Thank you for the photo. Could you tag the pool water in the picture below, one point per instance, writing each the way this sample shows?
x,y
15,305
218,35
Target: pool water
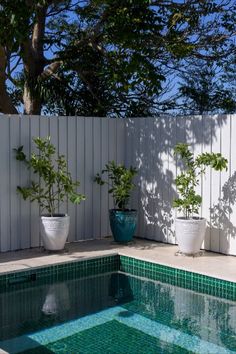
x,y
113,313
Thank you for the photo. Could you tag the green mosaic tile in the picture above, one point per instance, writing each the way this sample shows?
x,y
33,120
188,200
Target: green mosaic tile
x,y
111,337
65,271
84,268
178,277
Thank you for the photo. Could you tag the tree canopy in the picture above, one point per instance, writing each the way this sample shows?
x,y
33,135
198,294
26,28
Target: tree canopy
x,y
108,58
205,89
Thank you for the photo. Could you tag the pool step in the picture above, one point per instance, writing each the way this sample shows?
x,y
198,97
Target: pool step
x,y
152,328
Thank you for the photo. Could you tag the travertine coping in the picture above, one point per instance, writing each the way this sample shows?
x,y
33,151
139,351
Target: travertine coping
x,y
211,264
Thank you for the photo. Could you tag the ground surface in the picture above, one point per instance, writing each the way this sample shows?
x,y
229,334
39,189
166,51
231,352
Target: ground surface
x,y
213,264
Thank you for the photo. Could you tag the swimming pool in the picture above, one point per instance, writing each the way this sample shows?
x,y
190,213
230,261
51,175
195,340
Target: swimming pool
x,y
109,305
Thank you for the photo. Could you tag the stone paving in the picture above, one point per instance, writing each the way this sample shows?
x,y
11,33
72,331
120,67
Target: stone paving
x,y
209,263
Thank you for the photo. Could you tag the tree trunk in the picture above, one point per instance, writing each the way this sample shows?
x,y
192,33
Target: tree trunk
x,y
34,63
32,101
6,105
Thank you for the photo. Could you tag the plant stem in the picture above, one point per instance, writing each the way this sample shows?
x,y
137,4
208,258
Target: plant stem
x,y
50,201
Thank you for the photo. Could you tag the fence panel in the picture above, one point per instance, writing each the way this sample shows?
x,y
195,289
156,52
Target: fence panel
x,y
147,143
85,144
158,168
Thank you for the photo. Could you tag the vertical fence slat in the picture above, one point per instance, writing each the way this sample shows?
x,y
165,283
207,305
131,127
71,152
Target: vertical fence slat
x,y
120,141
231,189
14,180
53,132
215,186
221,210
172,129
62,150
71,138
158,177
129,135
181,137
164,159
34,224
111,150
80,164
150,178
112,156
168,206
138,164
24,181
43,132
141,165
4,185
133,204
89,178
206,180
130,158
196,136
105,230
96,187
196,128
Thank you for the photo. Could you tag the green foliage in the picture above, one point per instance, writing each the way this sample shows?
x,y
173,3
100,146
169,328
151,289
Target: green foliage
x,y
14,22
120,182
118,58
187,180
54,183
205,89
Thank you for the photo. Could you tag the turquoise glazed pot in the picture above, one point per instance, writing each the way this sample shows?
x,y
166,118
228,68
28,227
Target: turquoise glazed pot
x,y
123,224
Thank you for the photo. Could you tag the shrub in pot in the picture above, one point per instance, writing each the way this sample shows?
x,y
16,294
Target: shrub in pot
x,y
190,228
123,221
53,187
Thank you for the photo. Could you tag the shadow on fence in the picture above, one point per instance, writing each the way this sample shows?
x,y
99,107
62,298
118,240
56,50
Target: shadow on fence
x,y
222,212
150,144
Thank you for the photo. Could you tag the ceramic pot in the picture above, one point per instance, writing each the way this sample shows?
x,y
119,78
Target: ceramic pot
x,y
190,234
54,231
123,224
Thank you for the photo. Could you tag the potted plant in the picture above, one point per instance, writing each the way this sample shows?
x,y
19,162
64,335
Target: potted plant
x,y
123,221
190,229
54,185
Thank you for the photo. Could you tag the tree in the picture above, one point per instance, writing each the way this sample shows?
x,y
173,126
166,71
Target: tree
x,y
204,90
104,57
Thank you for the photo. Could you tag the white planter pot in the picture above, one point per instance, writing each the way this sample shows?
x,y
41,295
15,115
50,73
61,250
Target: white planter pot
x,y
54,231
190,234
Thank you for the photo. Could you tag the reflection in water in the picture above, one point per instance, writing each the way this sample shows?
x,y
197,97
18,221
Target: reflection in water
x,y
25,308
224,315
57,298
119,288
210,318
31,307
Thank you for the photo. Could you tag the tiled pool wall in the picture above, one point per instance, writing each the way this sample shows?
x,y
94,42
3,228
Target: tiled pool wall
x,y
179,277
31,306
63,271
84,268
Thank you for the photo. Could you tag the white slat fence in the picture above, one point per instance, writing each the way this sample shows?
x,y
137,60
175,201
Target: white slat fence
x,y
89,143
